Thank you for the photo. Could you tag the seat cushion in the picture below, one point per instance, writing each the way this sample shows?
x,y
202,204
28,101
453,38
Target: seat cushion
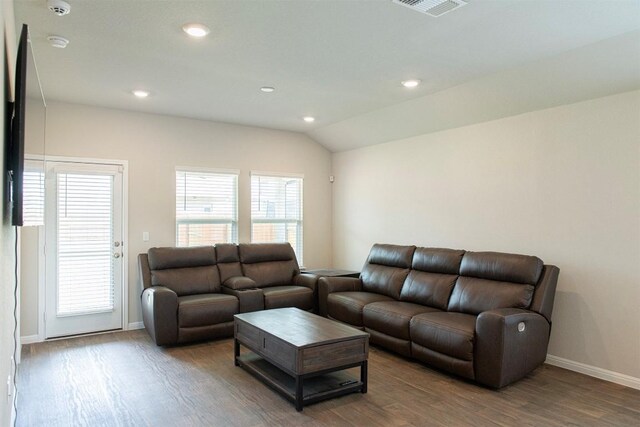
x,y
206,309
392,317
288,296
347,306
445,332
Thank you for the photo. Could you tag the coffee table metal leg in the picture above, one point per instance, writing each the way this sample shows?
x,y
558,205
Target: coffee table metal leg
x,y
236,351
299,396
363,376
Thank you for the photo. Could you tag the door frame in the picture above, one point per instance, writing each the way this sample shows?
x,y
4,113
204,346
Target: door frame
x,y
124,164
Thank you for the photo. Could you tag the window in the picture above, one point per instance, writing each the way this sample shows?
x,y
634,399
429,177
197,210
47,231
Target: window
x,y
33,192
276,210
206,207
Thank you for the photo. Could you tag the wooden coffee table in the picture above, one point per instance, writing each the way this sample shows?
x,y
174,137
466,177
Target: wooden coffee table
x,y
300,354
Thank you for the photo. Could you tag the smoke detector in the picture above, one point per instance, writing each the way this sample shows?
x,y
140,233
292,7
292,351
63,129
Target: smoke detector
x,y
57,41
59,7
435,8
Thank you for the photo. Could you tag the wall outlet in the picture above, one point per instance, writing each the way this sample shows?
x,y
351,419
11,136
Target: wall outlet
x,y
145,236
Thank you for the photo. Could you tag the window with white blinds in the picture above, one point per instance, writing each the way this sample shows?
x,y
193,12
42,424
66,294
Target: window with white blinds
x,y
206,207
276,210
33,193
84,240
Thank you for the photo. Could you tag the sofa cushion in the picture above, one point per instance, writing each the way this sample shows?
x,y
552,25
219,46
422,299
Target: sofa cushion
x,y
188,281
347,306
473,296
447,333
288,296
437,260
431,289
268,264
392,317
206,309
502,267
228,261
165,258
386,268
391,255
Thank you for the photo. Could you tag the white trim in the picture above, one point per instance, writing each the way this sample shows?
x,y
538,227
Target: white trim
x,y
30,339
42,271
209,170
126,243
594,371
135,325
124,167
278,174
93,160
14,405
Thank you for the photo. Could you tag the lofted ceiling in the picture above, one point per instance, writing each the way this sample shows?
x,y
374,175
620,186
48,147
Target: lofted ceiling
x,y
340,61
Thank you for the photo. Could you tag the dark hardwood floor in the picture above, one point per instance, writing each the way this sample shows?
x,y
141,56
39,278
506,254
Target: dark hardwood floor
x,y
124,379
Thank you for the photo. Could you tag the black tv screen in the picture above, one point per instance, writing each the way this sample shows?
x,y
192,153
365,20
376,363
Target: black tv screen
x,y
16,144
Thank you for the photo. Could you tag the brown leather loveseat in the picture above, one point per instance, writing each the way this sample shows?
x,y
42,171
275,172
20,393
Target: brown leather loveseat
x,y
192,293
485,316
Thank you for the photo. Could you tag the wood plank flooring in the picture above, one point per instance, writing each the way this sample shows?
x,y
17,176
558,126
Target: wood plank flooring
x,y
123,379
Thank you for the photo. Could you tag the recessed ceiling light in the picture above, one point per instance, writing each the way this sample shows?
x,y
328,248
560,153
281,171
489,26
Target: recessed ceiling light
x,y
411,83
309,119
195,30
267,89
140,93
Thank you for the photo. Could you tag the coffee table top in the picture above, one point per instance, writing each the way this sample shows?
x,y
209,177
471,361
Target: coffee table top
x,y
300,328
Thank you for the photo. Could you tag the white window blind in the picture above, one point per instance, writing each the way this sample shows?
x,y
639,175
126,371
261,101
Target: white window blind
x,y
276,210
85,239
33,193
206,208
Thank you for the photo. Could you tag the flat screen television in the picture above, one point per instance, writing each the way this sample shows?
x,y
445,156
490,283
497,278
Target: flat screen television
x,y
16,142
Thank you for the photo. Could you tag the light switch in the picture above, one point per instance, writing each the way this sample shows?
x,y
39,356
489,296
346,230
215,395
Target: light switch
x,y
145,236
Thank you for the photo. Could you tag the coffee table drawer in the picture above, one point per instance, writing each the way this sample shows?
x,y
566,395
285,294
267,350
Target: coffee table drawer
x,y
326,356
249,335
280,352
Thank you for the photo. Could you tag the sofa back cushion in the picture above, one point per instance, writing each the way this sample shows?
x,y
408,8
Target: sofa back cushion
x,y
386,269
434,272
490,280
269,264
228,260
186,271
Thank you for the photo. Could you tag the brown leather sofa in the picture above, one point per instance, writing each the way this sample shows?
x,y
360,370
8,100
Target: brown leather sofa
x,y
485,316
191,294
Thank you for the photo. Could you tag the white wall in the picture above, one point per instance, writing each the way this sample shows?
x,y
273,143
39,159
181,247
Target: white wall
x,y
562,184
7,233
154,145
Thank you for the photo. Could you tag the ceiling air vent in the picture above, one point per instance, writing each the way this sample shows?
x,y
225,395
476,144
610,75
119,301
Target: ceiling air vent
x,y
435,8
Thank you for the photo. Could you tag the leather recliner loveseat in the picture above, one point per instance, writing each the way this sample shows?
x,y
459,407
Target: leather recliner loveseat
x,y
485,316
191,294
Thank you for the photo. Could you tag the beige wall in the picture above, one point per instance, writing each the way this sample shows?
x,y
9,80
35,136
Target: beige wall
x,y
562,184
154,145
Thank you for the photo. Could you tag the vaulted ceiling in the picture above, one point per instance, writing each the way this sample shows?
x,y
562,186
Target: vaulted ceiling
x,y
340,61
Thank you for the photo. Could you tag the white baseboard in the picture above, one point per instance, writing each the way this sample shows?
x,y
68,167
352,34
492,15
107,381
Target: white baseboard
x,y
593,371
29,339
135,325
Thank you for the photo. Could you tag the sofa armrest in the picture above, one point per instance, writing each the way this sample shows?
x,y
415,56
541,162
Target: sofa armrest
x,y
160,314
239,283
327,285
249,299
510,343
307,280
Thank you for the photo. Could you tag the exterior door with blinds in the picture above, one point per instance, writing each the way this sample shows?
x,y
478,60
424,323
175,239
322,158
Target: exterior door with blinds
x,y
84,248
